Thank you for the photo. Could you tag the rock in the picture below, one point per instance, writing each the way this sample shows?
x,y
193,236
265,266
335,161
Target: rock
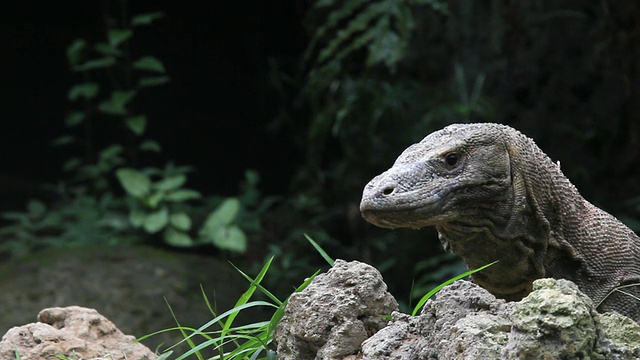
x,y
74,332
464,321
333,316
555,320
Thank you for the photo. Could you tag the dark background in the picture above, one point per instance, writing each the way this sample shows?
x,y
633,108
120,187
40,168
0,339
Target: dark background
x,y
214,113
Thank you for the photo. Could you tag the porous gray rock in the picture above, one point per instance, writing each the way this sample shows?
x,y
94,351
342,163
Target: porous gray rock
x,y
555,319
464,321
74,332
333,316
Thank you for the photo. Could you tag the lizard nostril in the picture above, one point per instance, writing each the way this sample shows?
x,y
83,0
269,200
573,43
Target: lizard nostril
x,y
388,190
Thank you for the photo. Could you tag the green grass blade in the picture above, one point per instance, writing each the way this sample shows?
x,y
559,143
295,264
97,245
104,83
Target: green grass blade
x,y
323,253
437,288
259,287
247,294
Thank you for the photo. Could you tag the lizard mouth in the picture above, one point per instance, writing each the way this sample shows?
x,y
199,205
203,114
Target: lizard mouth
x,y
407,214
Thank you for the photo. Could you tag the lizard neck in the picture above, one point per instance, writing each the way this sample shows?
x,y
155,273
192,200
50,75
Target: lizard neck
x,y
516,229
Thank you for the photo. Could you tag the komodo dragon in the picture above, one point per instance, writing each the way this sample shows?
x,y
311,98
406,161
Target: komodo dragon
x,y
492,194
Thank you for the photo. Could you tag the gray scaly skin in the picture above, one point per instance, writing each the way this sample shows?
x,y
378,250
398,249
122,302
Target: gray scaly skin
x,y
492,194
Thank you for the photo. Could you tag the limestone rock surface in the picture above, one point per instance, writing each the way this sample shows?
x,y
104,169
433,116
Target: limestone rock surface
x,y
74,332
334,318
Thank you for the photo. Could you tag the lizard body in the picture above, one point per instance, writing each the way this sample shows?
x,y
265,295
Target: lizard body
x,y
492,194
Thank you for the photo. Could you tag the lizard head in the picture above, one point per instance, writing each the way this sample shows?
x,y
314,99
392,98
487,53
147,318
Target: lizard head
x,y
460,171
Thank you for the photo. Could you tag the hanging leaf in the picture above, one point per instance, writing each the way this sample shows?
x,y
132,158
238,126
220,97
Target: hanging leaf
x,y
155,199
146,19
112,151
182,195
134,182
86,90
171,183
153,81
74,51
74,118
116,105
72,164
177,238
106,49
180,221
136,124
150,145
230,238
223,215
149,63
118,36
156,221
96,64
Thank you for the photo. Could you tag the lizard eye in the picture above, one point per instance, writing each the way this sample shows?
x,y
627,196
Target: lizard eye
x,y
452,160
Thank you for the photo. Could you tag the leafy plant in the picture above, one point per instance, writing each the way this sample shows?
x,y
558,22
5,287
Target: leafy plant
x,y
111,81
155,203
90,208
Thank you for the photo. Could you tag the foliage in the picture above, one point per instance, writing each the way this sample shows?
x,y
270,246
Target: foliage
x,y
358,83
111,81
107,132
246,341
78,220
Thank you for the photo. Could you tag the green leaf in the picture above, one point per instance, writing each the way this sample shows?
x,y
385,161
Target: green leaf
x,y
86,90
153,81
106,49
146,19
171,183
150,145
156,221
63,140
136,218
182,195
177,238
116,105
134,182
155,199
74,51
96,64
149,63
118,36
224,215
136,124
74,118
230,238
110,152
180,221
71,164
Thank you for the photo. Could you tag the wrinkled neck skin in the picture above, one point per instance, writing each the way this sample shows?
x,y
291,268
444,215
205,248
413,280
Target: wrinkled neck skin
x,y
513,229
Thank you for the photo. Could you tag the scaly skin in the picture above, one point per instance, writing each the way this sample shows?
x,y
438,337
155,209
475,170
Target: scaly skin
x,y
492,194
